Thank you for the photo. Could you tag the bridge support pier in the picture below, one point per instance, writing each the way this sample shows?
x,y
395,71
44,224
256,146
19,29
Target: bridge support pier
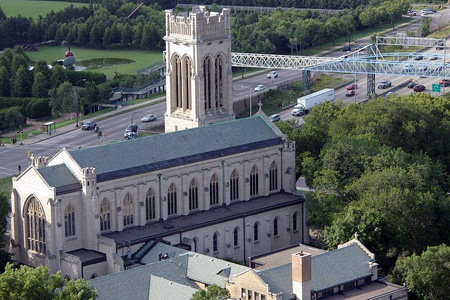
x,y
370,85
306,80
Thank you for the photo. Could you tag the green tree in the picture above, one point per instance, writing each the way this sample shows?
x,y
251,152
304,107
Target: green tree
x,y
213,292
4,82
62,99
91,95
42,67
40,85
426,275
348,26
38,284
5,209
58,76
126,35
21,85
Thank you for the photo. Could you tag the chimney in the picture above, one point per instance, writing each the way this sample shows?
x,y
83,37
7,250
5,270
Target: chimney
x,y
301,275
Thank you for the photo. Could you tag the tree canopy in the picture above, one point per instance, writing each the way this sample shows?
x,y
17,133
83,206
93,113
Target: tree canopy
x,y
212,292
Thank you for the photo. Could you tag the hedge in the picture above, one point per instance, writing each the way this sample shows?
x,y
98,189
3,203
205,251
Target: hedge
x,y
28,107
73,76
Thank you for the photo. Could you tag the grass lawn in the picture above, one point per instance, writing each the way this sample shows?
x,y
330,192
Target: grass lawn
x,y
33,9
140,59
6,185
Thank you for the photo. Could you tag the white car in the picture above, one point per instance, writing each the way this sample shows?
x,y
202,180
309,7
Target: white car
x,y
149,118
272,74
297,112
260,88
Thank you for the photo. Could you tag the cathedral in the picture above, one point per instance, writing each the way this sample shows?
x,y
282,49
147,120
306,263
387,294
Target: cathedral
x,y
210,184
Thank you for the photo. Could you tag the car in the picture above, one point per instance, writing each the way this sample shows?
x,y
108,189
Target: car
x,y
297,112
434,57
445,82
425,15
388,94
88,125
411,84
428,11
384,84
408,68
350,93
130,128
274,118
351,87
272,74
419,88
131,135
440,46
411,14
148,118
347,48
260,88
418,57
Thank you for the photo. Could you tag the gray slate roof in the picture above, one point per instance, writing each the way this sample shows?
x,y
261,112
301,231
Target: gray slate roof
x,y
327,270
60,177
167,279
162,151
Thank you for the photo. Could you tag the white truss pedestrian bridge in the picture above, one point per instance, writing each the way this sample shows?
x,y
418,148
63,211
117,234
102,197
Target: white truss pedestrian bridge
x,y
367,60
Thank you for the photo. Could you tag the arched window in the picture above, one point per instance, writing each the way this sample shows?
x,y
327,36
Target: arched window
x,y
236,237
69,221
172,200
187,65
127,210
219,84
150,205
234,186
275,227
177,84
215,242
193,195
214,190
35,226
273,177
254,181
295,222
208,82
256,232
105,215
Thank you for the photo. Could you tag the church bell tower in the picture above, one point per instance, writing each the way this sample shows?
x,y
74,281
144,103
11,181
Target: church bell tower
x,y
198,63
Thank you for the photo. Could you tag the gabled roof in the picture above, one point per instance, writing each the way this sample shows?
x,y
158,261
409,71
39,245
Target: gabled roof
x,y
177,148
327,270
61,178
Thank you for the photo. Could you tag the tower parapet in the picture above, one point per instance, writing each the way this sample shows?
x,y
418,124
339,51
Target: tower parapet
x,y
199,25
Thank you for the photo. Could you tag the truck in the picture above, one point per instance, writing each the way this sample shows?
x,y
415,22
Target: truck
x,y
305,103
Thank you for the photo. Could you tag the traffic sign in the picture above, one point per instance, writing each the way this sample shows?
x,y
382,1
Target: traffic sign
x,y
436,88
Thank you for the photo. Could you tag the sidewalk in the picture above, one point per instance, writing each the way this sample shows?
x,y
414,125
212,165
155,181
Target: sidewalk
x,y
71,127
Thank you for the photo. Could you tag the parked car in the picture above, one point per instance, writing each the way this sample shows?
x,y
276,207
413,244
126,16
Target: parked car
x,y
347,48
434,57
440,46
445,82
88,125
388,94
384,84
351,87
350,93
418,57
259,88
274,118
425,15
419,88
131,135
272,74
411,84
148,118
130,128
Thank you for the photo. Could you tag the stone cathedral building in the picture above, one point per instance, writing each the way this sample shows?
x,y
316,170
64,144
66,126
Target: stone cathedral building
x,y
224,190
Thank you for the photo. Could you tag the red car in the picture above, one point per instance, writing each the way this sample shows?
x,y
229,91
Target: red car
x,y
445,82
419,88
352,87
350,93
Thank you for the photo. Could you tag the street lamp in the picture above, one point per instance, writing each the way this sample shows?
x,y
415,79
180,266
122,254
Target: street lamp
x,y
132,115
77,98
250,89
